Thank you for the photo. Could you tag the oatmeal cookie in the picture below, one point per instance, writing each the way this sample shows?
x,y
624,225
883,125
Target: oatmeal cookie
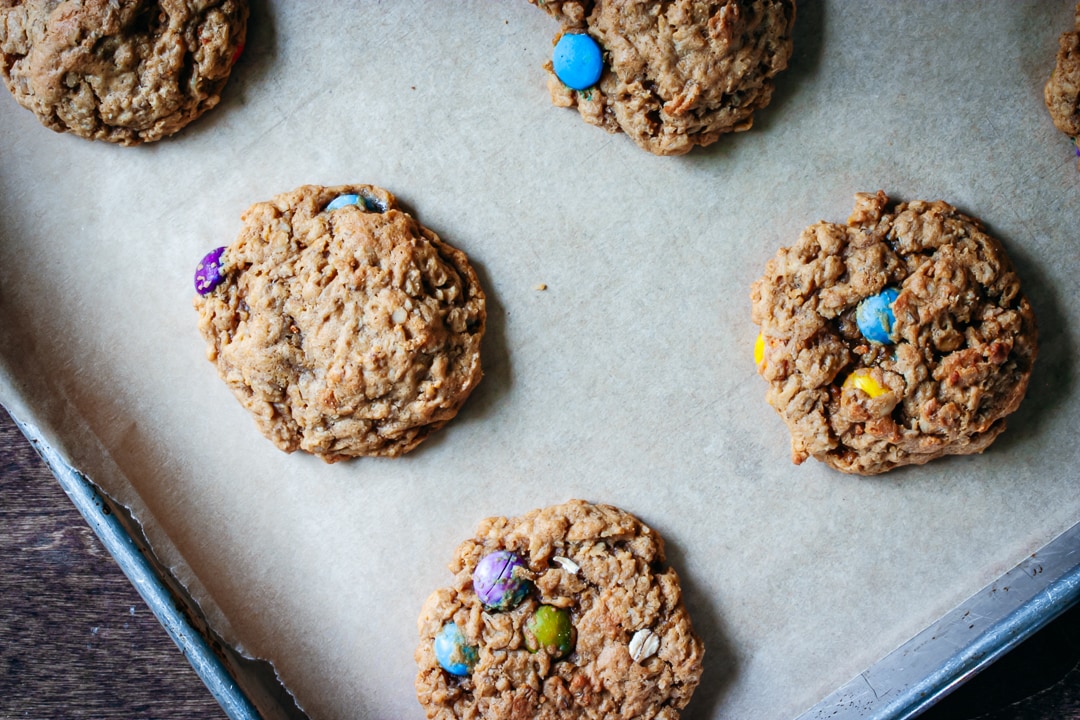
x,y
565,612
677,74
895,339
345,326
127,71
1062,92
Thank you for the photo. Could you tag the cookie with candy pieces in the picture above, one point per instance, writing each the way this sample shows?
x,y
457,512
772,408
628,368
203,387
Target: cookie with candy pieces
x,y
341,323
672,76
894,339
565,612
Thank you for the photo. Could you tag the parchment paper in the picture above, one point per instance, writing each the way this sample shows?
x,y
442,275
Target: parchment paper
x,y
629,380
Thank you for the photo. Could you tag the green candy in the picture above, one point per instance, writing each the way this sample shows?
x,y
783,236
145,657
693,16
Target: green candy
x,y
550,628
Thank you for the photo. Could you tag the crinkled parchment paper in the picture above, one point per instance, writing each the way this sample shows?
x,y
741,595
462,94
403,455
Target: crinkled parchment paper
x,y
629,380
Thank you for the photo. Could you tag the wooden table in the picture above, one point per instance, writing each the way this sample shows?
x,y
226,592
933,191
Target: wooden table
x,y
76,640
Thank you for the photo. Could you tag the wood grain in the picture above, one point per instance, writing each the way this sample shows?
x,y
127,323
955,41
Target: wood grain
x,y
76,640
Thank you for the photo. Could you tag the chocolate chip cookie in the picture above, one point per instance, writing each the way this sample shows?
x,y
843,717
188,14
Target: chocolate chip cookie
x,y
127,71
346,327
1062,91
895,339
565,612
676,74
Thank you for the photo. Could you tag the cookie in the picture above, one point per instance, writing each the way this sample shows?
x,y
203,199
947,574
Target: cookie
x,y
895,339
127,72
1062,91
676,75
346,327
565,612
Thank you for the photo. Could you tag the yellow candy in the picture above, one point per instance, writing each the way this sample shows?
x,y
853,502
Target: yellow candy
x,y
862,380
759,349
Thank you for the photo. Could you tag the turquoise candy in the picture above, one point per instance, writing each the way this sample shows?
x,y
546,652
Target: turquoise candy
x,y
577,61
454,654
875,318
361,201
343,201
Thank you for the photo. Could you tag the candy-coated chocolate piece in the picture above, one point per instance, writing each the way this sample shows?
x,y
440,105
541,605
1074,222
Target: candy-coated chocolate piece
x,y
343,201
759,349
495,582
875,316
361,201
372,204
550,628
863,380
577,61
453,652
208,274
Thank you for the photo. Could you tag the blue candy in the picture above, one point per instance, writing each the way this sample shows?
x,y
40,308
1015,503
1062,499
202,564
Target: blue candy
x,y
342,201
455,655
577,61
875,316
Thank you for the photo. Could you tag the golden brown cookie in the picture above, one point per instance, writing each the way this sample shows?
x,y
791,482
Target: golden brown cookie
x,y
676,74
565,612
345,326
895,339
1062,91
125,71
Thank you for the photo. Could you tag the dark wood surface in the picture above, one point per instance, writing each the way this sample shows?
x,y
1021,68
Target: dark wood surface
x,y
76,640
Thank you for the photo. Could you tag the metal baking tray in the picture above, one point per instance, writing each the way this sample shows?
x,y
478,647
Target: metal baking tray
x,y
628,380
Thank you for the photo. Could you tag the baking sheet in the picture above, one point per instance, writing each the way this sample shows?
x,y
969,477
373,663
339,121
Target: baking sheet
x,y
628,381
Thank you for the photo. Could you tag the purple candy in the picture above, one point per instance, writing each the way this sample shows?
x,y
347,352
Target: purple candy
x,y
208,275
495,583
